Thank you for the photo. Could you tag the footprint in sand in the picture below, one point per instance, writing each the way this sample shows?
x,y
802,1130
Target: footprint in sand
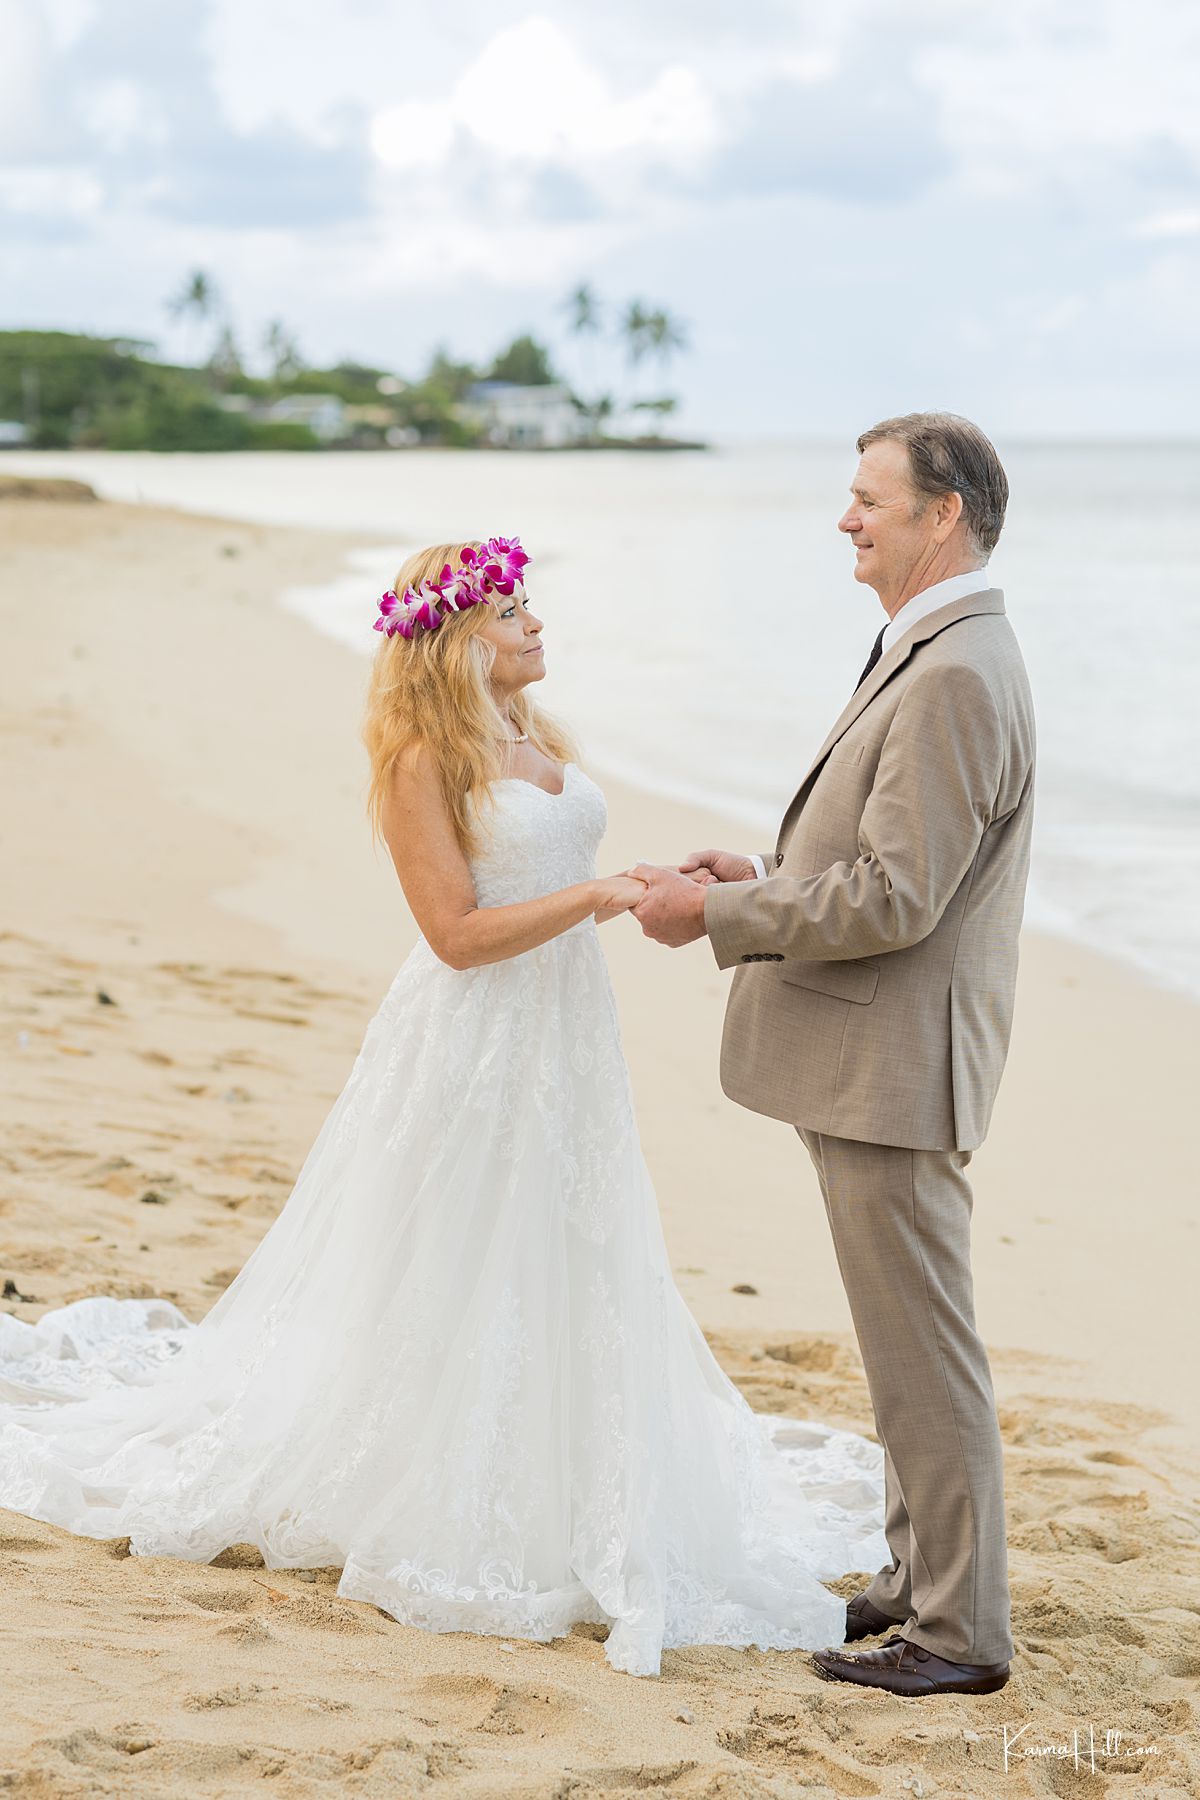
x,y
1075,1536
222,1597
1038,1615
210,1767
819,1355
477,1703
247,1631
784,1741
641,1777
15,1543
220,1697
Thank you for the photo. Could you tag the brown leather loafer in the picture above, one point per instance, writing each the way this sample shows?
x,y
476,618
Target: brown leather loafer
x,y
904,1668
865,1620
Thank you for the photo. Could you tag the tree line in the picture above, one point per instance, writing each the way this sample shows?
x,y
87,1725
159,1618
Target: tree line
x,y
71,389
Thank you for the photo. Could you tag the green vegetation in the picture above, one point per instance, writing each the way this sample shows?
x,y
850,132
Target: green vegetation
x,y
526,362
70,390
93,392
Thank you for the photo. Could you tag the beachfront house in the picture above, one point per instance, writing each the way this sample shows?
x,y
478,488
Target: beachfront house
x,y
324,414
513,417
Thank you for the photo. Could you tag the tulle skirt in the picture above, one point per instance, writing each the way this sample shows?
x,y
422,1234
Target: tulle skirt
x,y
457,1366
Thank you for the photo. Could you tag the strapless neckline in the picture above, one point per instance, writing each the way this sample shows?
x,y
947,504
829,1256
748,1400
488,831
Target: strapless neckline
x,y
521,781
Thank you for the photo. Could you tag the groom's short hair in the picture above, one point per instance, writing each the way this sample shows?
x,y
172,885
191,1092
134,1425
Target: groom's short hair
x,y
949,455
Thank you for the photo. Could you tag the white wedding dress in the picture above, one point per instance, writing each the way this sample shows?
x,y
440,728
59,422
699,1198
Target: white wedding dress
x,y
457,1365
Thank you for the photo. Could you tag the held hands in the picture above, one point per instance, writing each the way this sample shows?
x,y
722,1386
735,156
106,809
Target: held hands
x,y
668,903
617,894
672,909
717,865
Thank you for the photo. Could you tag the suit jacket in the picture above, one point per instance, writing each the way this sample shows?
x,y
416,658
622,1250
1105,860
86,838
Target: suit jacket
x,y
875,965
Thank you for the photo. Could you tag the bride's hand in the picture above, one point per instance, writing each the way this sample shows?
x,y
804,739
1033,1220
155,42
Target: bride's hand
x,y
617,894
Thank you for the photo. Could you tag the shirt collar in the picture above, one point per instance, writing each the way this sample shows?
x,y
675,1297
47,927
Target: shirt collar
x,y
955,587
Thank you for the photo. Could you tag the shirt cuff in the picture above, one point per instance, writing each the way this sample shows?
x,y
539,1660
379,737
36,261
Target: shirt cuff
x,y
760,868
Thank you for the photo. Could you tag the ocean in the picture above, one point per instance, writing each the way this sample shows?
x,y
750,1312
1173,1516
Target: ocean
x,y
703,628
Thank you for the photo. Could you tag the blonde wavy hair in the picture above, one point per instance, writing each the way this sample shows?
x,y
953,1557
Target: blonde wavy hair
x,y
434,690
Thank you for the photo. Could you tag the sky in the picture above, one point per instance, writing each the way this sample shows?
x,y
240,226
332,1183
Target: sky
x,y
853,208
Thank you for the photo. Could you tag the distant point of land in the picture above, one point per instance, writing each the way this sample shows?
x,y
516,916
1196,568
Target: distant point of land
x,y
45,487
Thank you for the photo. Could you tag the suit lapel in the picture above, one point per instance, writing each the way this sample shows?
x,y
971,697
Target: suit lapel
x,y
988,600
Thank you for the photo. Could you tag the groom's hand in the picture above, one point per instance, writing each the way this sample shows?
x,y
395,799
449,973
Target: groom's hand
x,y
672,909
721,865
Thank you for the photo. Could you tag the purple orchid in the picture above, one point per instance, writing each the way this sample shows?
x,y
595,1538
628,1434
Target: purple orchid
x,y
506,560
495,567
389,605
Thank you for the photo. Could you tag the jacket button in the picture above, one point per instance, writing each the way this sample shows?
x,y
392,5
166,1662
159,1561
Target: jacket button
x,y
778,858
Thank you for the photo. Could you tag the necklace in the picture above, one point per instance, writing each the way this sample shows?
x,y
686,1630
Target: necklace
x,y
523,738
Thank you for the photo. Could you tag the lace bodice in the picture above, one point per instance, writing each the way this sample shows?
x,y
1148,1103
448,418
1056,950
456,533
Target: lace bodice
x,y
536,842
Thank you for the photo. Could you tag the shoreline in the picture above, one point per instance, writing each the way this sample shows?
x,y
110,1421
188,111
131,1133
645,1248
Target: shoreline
x,y
324,607
184,804
321,605
1115,850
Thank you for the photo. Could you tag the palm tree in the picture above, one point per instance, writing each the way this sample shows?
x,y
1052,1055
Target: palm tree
x,y
664,335
225,362
584,309
197,298
583,321
635,329
283,351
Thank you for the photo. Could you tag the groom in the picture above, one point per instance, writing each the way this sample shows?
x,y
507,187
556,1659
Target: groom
x,y
875,959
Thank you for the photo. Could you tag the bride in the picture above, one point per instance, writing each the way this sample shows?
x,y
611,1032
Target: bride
x,y
457,1366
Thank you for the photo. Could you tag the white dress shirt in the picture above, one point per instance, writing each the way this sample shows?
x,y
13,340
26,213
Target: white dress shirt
x,y
955,587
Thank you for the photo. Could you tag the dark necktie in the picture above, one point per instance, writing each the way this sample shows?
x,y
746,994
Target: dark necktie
x,y
876,653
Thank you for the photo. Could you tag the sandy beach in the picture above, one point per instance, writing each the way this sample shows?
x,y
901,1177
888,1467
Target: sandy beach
x,y
195,932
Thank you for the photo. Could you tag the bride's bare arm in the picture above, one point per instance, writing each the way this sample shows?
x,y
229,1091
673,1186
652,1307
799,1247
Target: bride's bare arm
x,y
437,884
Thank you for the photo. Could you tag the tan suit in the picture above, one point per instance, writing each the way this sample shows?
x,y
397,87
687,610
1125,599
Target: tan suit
x,y
871,1007
894,897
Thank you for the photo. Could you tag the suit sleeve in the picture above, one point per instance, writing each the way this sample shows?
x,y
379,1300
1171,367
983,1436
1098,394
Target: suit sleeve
x,y
934,795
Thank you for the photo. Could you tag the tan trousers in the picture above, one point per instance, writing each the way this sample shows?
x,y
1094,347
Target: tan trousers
x,y
901,1224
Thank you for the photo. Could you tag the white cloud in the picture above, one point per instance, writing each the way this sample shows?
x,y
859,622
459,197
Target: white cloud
x,y
68,19
54,189
1182,224
531,95
416,134
808,65
1058,92
124,114
24,64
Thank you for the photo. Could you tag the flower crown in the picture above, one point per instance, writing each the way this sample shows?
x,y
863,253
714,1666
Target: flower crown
x,y
494,568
